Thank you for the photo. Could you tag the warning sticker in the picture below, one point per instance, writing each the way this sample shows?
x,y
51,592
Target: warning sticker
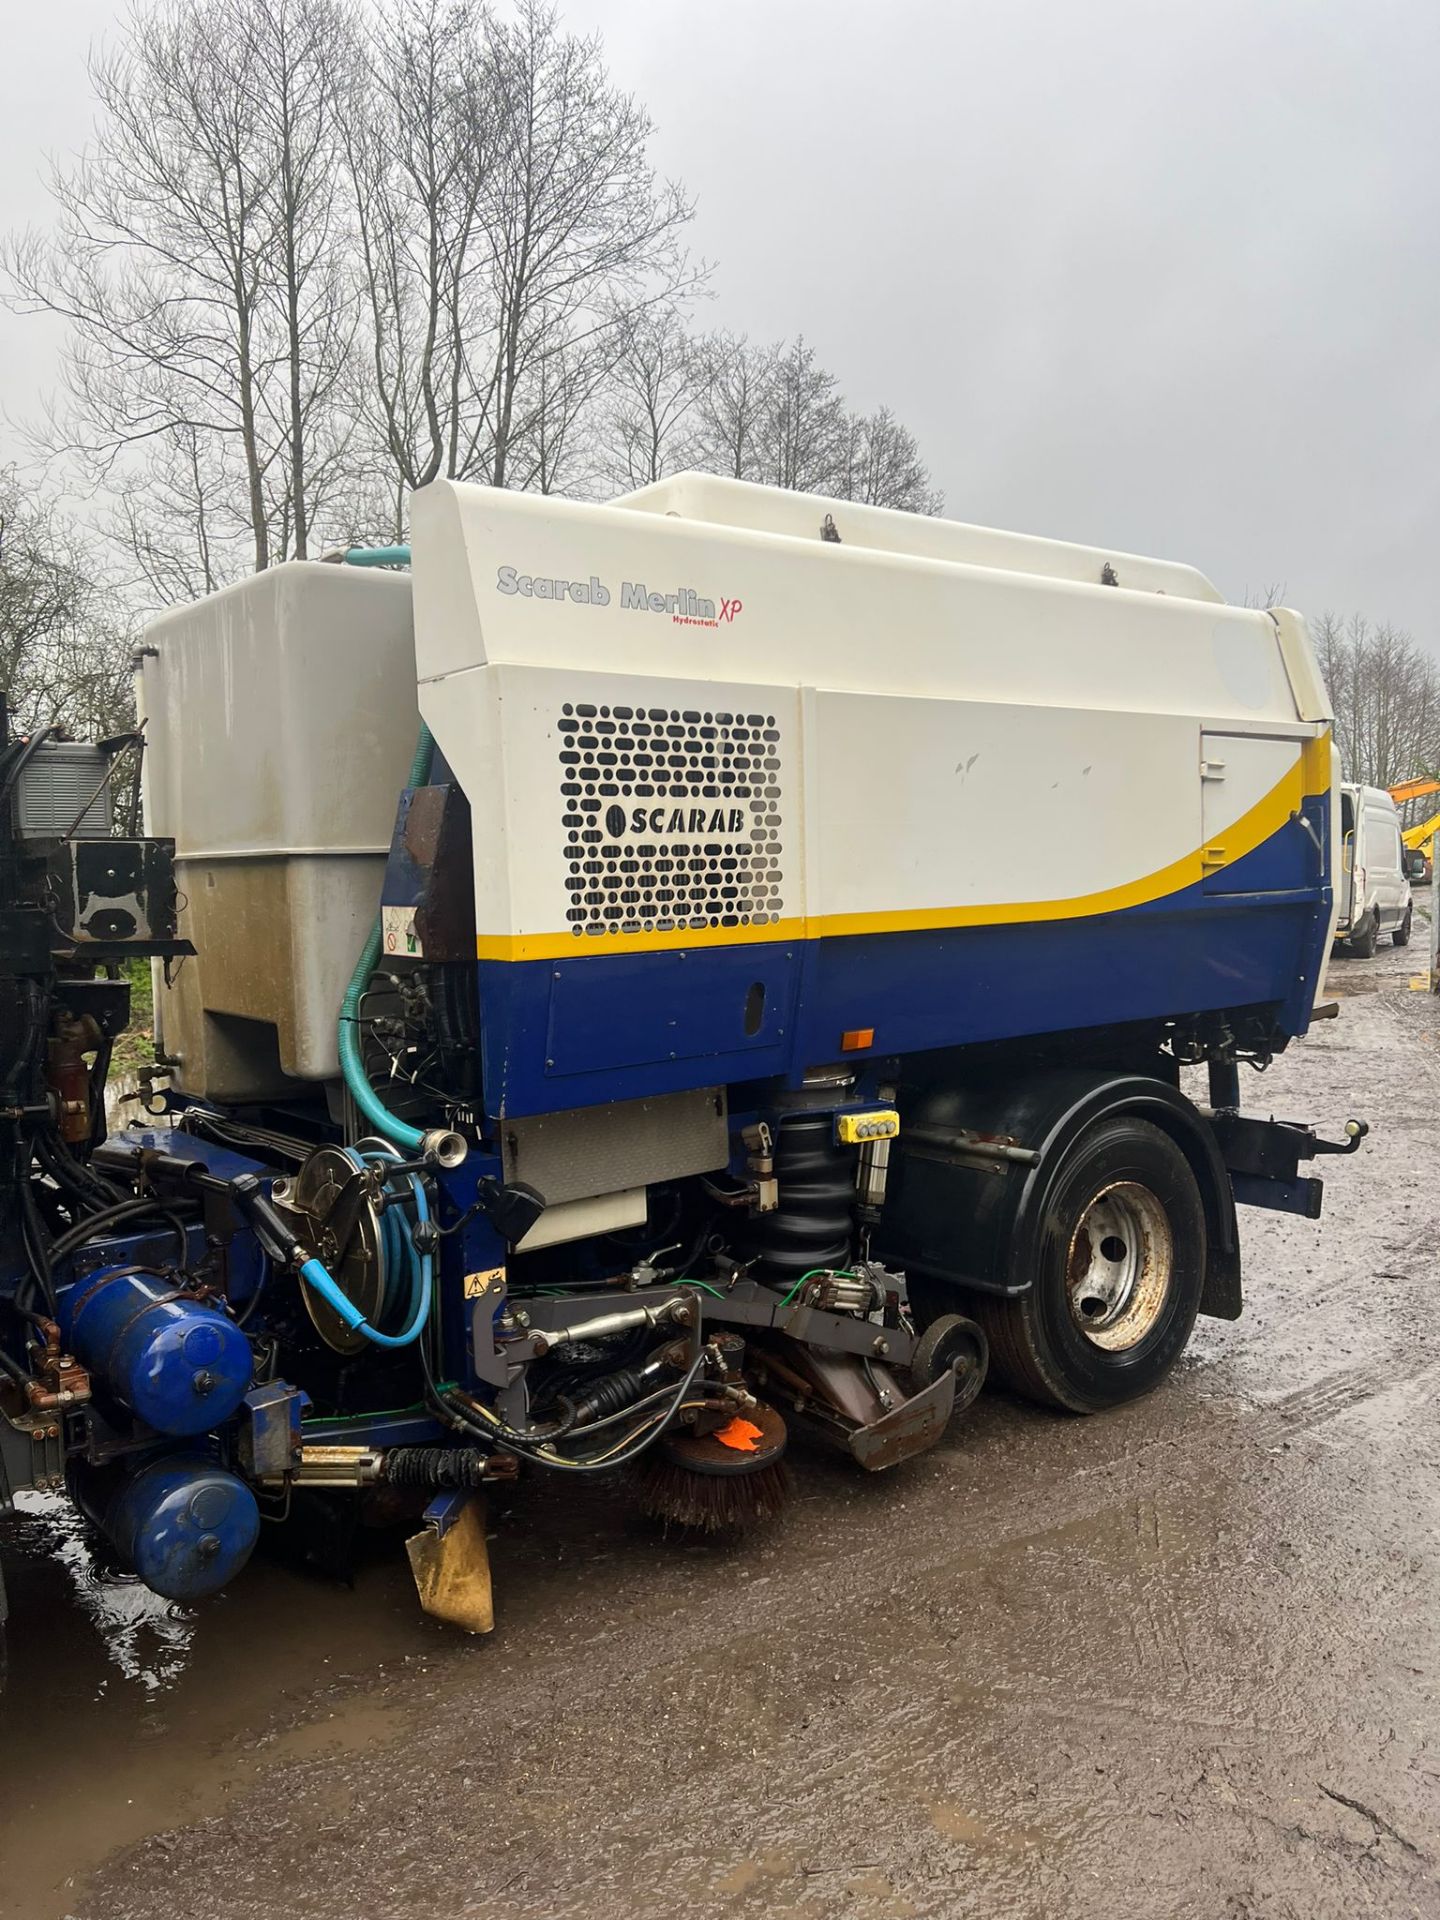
x,y
397,931
477,1284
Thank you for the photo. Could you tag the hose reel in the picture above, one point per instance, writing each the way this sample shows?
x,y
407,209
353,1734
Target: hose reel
x,y
335,1208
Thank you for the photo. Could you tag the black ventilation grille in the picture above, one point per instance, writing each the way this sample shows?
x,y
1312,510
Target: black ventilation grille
x,y
672,819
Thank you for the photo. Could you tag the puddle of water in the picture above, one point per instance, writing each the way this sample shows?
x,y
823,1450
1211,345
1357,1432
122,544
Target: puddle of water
x,y
746,1875
960,1823
150,1714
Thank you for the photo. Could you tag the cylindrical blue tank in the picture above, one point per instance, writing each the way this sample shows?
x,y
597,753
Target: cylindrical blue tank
x,y
182,1522
177,1364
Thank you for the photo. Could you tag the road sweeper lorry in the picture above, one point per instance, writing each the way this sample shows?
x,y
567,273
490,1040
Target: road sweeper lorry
x,y
609,1015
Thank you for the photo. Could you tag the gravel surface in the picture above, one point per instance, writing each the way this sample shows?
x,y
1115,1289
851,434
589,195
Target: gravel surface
x,y
1179,1660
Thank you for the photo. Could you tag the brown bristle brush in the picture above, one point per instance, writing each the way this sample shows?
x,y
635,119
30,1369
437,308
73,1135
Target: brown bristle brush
x,y
719,1482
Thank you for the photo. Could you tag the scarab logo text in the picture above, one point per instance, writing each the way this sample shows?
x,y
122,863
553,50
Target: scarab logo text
x,y
666,820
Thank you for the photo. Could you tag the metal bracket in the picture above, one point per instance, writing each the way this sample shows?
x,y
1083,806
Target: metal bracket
x,y
912,1427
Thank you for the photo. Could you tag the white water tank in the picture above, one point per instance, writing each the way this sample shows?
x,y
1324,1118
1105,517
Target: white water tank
x,y
281,728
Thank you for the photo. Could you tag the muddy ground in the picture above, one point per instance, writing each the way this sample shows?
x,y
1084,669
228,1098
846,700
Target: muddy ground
x,y
1180,1660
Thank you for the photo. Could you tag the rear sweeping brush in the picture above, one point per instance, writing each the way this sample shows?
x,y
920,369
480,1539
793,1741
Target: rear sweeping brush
x,y
718,1482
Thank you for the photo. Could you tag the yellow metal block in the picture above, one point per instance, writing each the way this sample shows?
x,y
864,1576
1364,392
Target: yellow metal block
x,y
854,1129
452,1571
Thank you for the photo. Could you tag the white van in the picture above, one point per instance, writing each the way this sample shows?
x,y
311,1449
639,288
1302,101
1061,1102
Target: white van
x,y
1374,886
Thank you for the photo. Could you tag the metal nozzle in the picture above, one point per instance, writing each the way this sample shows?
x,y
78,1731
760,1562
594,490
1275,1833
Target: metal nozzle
x,y
445,1148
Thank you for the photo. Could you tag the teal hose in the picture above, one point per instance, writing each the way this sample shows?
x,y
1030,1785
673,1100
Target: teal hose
x,y
378,557
352,1064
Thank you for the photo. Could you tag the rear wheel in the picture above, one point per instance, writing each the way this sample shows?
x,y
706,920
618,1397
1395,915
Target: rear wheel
x,y
1401,935
1362,942
1118,1277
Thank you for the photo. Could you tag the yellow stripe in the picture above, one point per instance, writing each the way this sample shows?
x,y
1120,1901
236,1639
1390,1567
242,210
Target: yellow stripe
x,y
1307,779
562,946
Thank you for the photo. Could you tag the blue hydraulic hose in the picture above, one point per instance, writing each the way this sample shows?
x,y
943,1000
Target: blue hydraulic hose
x,y
315,1275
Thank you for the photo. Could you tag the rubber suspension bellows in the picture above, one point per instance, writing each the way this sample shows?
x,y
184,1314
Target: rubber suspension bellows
x,y
813,1224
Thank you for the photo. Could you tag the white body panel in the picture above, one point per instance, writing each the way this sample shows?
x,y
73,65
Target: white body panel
x,y
939,717
710,498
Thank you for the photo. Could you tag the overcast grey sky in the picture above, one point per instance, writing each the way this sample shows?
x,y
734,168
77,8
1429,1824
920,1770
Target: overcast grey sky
x,y
1159,276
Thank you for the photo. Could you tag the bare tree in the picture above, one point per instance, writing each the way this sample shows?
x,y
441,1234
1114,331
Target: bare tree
x,y
655,392
882,466
512,235
1385,692
585,238
420,144
735,380
557,448
775,415
194,261
295,46
320,255
64,656
802,431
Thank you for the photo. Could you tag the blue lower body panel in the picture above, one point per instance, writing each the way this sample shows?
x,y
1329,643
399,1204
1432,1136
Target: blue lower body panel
x,y
574,1033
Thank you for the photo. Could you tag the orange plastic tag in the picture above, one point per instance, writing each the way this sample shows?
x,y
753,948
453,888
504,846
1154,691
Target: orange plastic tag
x,y
740,1434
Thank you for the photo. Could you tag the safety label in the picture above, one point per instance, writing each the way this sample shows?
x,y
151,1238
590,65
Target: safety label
x,y
398,932
477,1285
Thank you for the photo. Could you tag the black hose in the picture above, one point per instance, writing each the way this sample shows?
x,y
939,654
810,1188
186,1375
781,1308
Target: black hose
x,y
37,1242
72,1176
93,1224
243,1317
22,760
15,1371
99,1075
444,1468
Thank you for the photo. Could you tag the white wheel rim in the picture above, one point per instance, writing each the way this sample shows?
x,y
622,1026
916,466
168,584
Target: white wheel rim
x,y
1119,1266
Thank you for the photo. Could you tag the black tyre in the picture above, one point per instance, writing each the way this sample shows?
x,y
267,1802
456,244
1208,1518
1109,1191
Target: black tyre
x,y
1118,1276
1401,935
952,1344
1362,944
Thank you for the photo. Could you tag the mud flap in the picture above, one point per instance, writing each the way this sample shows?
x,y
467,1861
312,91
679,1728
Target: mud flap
x,y
912,1427
451,1564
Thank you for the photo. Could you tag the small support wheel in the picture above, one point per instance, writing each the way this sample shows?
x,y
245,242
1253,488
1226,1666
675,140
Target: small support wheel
x,y
952,1344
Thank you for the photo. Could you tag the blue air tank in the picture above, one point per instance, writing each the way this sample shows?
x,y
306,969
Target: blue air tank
x,y
184,1523
177,1364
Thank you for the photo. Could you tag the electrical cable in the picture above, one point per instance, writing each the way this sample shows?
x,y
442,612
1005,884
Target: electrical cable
x,y
817,1273
628,1449
234,1133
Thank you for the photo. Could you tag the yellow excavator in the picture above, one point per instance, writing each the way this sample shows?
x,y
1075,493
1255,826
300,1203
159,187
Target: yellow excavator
x,y
1419,838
